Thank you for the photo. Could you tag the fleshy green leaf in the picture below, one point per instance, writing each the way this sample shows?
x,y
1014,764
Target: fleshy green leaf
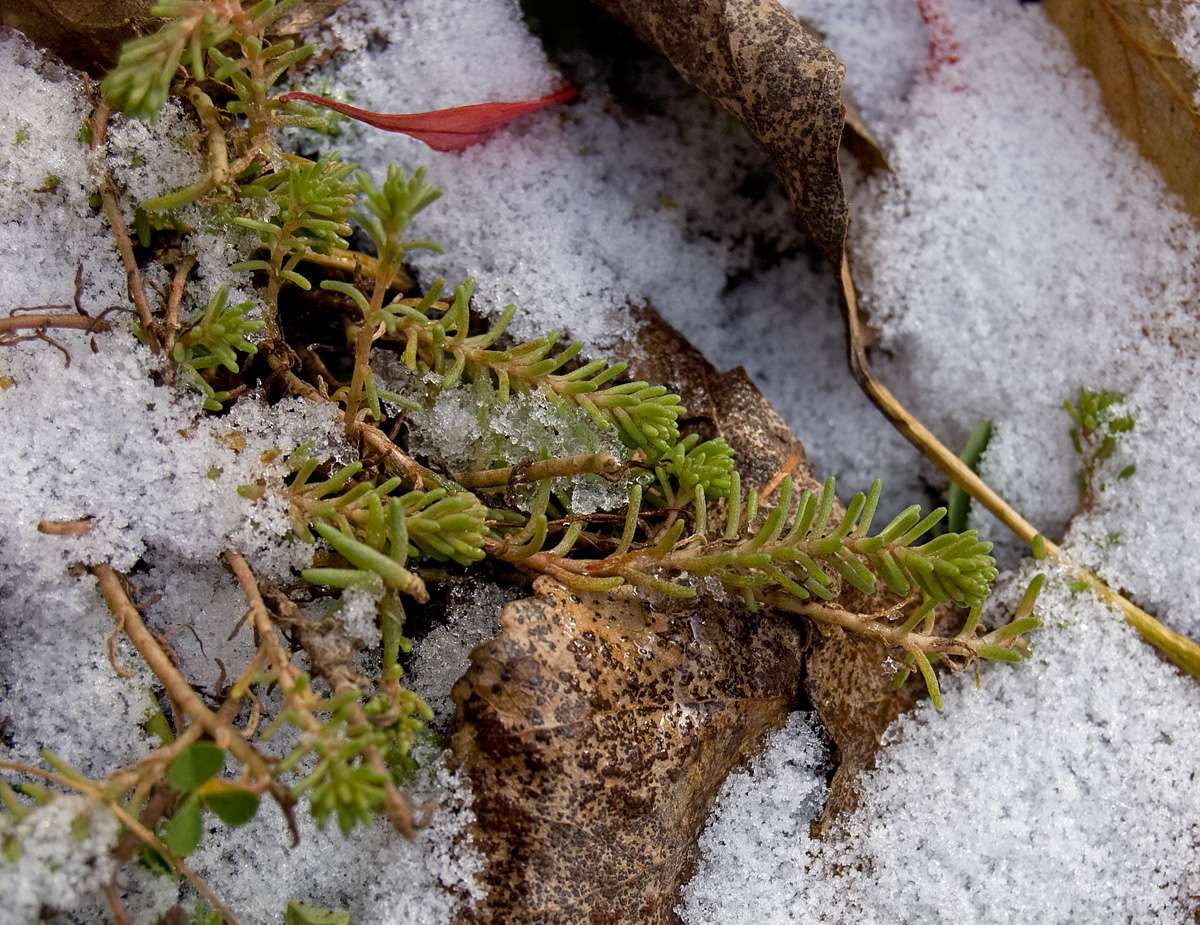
x,y
196,764
185,829
233,806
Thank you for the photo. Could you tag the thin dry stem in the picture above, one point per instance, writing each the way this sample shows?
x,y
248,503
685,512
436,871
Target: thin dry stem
x,y
397,807
1179,649
873,626
536,470
285,672
397,460
352,261
120,914
177,862
108,197
368,331
175,298
15,323
127,615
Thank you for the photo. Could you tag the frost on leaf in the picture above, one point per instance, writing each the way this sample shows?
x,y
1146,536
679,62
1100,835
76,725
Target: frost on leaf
x,y
1144,55
769,72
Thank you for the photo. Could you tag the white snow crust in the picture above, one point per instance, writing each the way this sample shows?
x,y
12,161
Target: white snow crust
x,y
1017,251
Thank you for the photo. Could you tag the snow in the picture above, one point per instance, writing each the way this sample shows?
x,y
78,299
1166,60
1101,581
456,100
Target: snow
x,y
441,656
1017,251
1058,791
379,878
470,428
64,857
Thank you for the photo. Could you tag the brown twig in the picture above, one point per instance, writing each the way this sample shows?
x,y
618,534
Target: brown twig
x,y
177,862
279,358
347,260
65,527
14,323
536,470
874,626
108,198
397,460
174,299
396,805
394,458
260,618
127,615
341,678
120,914
1179,649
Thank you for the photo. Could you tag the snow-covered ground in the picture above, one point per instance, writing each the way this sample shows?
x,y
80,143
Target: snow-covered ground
x,y
1018,250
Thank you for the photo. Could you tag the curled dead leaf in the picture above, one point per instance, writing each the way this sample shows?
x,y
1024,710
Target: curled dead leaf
x,y
1149,90
304,16
769,72
85,34
595,731
88,34
848,681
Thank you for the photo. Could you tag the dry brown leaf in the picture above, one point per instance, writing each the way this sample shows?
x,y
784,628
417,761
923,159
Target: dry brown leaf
x,y
849,683
1148,90
307,14
782,84
725,404
88,34
595,731
588,790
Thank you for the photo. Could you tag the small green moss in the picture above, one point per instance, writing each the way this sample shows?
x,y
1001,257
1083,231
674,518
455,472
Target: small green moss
x,y
50,182
203,916
20,138
12,850
159,726
1077,586
300,914
81,824
141,226
1127,471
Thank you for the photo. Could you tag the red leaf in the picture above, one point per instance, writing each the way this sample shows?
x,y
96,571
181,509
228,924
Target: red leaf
x,y
443,129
